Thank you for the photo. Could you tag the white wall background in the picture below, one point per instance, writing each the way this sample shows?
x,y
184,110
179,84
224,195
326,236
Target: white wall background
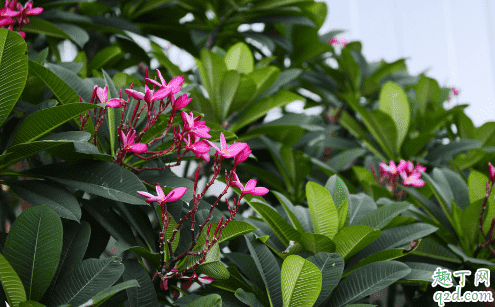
x,y
454,39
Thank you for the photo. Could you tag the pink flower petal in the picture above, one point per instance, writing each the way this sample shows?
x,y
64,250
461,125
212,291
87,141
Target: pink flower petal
x,y
205,279
251,184
259,191
153,81
145,194
135,94
176,194
223,143
237,184
159,192
177,81
123,137
139,148
115,103
161,93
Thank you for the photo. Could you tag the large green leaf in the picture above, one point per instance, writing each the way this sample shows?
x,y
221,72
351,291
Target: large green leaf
x,y
230,83
39,123
264,78
379,218
427,92
55,197
337,189
104,57
75,241
139,221
316,243
145,294
393,101
87,280
239,58
247,298
331,267
354,238
268,268
97,177
33,248
301,282
323,212
476,184
211,69
284,231
231,231
13,70
261,107
359,206
368,280
423,271
212,300
104,295
11,283
289,209
41,26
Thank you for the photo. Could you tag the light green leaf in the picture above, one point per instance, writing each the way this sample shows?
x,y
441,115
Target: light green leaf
x,y
11,283
239,58
427,92
368,280
284,231
41,26
105,56
33,248
247,298
13,70
316,243
337,189
41,122
352,239
96,177
212,300
393,101
289,209
301,282
264,78
230,83
323,212
476,184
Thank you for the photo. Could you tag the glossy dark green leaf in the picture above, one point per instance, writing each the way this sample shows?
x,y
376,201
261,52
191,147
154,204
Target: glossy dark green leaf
x,y
247,298
41,26
106,56
451,149
100,178
145,294
87,280
359,206
33,248
331,267
104,295
13,70
316,243
38,192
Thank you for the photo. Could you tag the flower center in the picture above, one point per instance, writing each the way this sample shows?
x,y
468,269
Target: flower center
x,y
225,151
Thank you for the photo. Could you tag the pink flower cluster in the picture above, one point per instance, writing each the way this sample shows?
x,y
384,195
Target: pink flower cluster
x,y
13,12
410,174
455,92
335,41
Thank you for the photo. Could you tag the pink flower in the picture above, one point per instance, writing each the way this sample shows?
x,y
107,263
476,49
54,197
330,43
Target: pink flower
x,y
28,10
333,41
448,99
180,102
250,187
392,169
455,91
491,169
200,280
149,96
194,126
412,179
173,87
102,94
128,142
243,155
201,149
174,195
228,152
407,166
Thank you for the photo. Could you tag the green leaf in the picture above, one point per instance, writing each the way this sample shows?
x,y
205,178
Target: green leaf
x,y
316,243
239,58
41,26
112,120
331,267
211,69
267,4
368,280
147,7
476,184
283,78
86,280
345,159
230,83
306,45
301,282
289,209
385,255
104,295
268,267
379,218
11,283
38,192
431,248
31,304
264,78
359,206
323,212
41,122
76,34
393,101
427,93
337,189
447,152
231,231
13,70
352,239
145,294
422,271
284,231
96,177
33,248
343,210
75,242
105,57
247,298
261,107
153,258
212,300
